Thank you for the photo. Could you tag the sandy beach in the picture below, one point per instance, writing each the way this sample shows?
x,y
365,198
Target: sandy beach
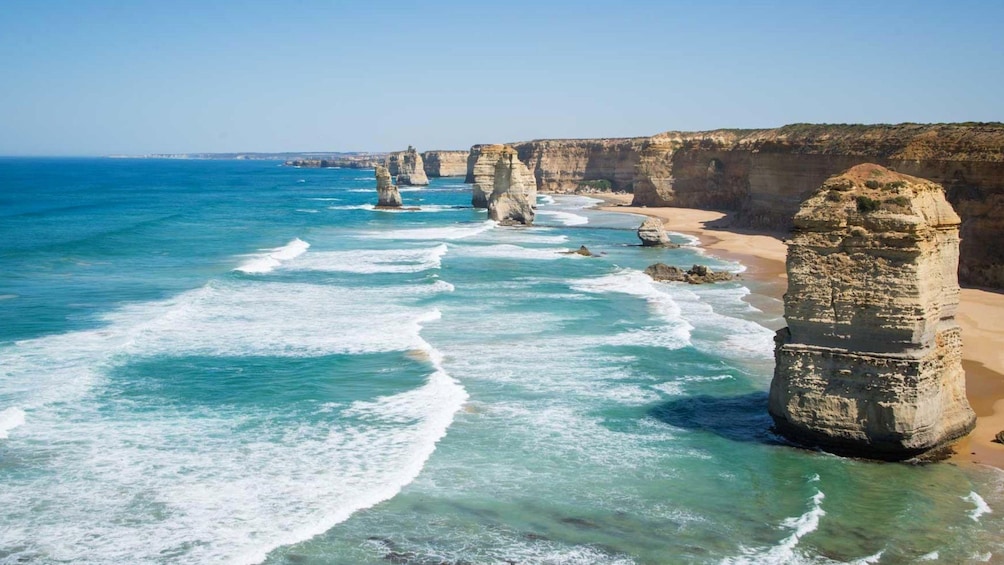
x,y
981,313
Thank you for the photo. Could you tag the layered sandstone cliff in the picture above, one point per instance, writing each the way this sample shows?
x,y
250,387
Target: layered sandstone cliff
x,y
563,165
407,167
871,361
514,191
445,163
387,194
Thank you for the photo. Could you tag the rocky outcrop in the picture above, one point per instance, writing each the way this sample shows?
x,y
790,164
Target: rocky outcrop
x,y
387,194
871,361
445,163
355,161
407,167
482,172
514,191
652,234
697,274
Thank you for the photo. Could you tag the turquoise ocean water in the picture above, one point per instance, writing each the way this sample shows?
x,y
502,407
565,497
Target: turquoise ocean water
x,y
239,362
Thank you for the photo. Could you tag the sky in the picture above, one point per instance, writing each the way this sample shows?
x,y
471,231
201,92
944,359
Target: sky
x,y
109,77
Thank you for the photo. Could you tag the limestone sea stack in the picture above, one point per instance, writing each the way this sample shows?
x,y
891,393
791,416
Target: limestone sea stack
x,y
871,361
514,191
387,194
482,172
652,234
407,167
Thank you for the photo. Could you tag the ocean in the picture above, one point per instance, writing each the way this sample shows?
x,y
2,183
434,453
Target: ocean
x,y
241,362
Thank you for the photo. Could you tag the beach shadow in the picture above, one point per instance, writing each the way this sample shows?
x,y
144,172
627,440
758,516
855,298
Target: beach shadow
x,y
741,418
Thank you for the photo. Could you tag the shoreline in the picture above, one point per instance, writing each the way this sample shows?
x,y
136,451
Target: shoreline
x,y
980,314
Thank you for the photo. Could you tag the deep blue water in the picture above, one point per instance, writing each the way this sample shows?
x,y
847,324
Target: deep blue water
x,y
235,361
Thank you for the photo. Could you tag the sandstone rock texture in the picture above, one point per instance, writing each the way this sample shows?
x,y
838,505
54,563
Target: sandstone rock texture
x,y
407,167
653,234
445,163
697,274
387,194
514,191
764,175
871,361
482,172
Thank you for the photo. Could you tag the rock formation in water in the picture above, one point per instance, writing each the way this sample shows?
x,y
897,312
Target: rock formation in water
x,y
652,234
387,194
445,163
407,167
871,361
697,274
482,172
514,191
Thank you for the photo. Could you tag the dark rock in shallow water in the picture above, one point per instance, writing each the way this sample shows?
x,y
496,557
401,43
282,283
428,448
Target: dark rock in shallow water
x,y
582,250
698,274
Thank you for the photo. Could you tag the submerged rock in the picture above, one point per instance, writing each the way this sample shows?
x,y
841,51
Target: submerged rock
x,y
387,194
582,250
652,234
871,361
698,274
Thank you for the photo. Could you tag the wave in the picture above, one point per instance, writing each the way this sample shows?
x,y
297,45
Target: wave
x,y
508,251
545,199
9,419
565,218
800,526
981,506
368,261
273,258
241,481
448,233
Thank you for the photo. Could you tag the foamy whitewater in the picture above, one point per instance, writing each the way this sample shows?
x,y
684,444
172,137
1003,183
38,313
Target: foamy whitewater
x,y
238,362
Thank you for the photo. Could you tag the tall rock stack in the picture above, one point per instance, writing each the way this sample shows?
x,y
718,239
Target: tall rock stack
x,y
514,191
871,361
482,173
387,194
407,167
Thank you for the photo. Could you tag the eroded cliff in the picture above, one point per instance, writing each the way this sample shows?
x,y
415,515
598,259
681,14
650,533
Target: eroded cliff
x,y
445,163
407,167
514,191
871,361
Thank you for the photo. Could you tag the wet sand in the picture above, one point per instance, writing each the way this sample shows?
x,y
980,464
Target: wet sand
x,y
981,312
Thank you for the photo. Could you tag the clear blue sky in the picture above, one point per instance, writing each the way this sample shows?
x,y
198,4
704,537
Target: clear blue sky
x,y
90,77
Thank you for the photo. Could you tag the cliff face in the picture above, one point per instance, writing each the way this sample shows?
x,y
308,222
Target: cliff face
x,y
445,163
387,194
562,165
514,190
764,175
407,167
482,172
871,361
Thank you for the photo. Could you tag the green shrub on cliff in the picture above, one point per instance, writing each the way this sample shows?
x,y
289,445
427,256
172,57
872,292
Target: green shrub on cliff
x,y
599,184
866,204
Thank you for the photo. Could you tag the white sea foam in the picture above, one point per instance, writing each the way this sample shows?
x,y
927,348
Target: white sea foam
x,y
326,199
800,526
272,258
508,251
353,207
447,233
688,240
207,484
367,261
932,556
9,419
545,199
307,210
981,506
565,218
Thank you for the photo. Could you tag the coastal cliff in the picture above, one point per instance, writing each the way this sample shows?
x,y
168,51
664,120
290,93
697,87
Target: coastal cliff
x,y
764,175
871,361
481,172
387,194
407,168
445,163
